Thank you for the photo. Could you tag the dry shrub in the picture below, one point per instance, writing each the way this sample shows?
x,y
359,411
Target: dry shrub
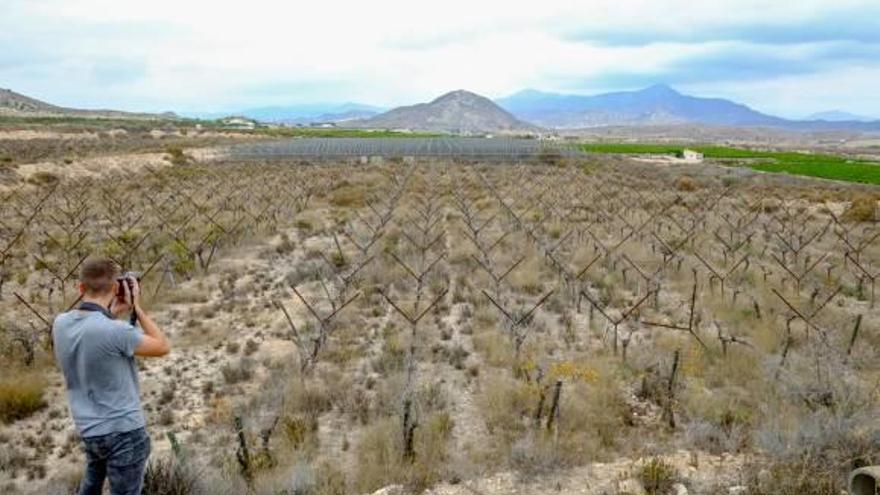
x,y
504,404
379,455
323,478
43,178
393,351
300,432
312,399
456,355
529,277
657,476
170,476
719,396
432,451
241,371
177,156
21,394
285,246
594,416
862,208
495,347
593,420
347,195
220,412
329,480
534,455
811,447
304,404
250,347
685,184
720,420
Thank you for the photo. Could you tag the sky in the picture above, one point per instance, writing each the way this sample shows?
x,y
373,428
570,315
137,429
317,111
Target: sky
x,y
785,58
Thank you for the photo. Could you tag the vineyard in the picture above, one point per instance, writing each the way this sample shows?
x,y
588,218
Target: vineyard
x,y
340,328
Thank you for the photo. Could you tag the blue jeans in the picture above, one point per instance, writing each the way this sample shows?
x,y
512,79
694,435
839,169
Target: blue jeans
x,y
121,457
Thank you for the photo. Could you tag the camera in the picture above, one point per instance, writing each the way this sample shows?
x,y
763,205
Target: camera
x,y
124,280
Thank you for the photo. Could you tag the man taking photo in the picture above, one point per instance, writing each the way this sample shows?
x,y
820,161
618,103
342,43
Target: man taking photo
x,y
95,351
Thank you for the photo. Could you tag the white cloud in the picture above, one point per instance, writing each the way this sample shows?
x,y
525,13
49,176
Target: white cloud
x,y
208,55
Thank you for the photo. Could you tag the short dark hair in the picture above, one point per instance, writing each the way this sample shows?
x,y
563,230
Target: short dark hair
x,y
98,275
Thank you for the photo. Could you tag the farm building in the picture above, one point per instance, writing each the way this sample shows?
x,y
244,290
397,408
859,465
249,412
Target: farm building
x,y
691,155
238,123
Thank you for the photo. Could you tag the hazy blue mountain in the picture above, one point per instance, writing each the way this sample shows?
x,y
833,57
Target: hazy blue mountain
x,y
301,113
658,104
839,116
457,111
318,112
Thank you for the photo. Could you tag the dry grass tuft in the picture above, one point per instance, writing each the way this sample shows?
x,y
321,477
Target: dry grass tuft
x,y
238,372
862,208
347,195
43,178
380,460
21,394
685,184
657,476
169,476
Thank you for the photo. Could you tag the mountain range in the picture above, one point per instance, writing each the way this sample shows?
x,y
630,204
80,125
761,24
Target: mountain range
x,y
529,110
655,105
526,111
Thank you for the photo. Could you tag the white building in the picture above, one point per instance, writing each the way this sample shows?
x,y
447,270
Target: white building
x,y
239,123
691,155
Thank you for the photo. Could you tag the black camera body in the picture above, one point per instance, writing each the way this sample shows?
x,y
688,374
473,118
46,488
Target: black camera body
x,y
125,280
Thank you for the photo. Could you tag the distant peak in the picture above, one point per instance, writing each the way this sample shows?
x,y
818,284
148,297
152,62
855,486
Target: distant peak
x,y
458,94
529,92
660,89
838,116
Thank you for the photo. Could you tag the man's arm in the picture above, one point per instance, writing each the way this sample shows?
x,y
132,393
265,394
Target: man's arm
x,y
154,343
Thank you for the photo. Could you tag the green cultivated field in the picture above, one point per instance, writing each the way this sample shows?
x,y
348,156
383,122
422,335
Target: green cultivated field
x,y
787,162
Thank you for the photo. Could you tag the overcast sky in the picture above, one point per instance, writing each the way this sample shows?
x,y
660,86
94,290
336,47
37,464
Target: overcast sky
x,y
786,58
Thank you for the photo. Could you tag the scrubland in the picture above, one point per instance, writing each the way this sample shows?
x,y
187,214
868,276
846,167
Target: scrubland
x,y
576,326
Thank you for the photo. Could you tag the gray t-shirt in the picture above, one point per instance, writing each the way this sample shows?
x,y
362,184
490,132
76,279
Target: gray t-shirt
x,y
96,355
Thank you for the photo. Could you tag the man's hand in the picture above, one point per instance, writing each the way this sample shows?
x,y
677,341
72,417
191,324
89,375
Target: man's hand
x,y
131,299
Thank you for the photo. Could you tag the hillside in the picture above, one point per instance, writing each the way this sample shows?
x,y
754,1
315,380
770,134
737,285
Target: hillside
x,y
457,111
19,105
